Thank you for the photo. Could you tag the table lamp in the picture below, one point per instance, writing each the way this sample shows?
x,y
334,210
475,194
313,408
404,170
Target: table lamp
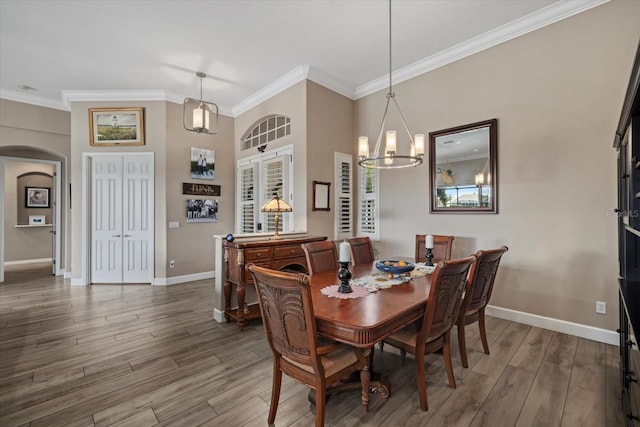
x,y
276,205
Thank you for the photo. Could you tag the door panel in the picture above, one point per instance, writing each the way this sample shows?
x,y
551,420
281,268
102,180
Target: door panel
x,y
106,224
138,219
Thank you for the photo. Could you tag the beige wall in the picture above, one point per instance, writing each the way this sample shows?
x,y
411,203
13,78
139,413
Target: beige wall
x,y
33,132
291,103
557,94
330,121
155,142
191,245
25,243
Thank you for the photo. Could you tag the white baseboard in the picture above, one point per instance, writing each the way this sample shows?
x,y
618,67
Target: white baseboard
x,y
218,315
77,281
28,261
582,331
67,275
164,281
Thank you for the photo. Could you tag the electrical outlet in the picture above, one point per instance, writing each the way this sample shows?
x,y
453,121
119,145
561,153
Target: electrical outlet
x,y
601,307
172,264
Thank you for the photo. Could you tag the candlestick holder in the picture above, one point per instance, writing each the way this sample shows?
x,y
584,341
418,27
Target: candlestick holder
x,y
344,275
429,257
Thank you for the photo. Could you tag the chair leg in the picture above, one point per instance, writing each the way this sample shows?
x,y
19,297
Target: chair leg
x,y
365,378
421,381
446,352
462,344
321,398
275,391
483,332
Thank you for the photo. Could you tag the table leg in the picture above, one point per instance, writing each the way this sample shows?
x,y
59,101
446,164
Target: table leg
x,y
377,384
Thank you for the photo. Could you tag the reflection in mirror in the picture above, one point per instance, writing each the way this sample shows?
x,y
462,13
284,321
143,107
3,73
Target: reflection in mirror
x,y
463,168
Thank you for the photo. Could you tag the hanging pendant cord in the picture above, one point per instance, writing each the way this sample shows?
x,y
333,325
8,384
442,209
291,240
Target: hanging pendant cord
x,y
390,92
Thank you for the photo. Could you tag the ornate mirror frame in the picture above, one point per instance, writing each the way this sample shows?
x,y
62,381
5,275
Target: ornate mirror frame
x,y
471,184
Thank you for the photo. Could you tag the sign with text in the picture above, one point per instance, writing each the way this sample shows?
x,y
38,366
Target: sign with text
x,y
200,189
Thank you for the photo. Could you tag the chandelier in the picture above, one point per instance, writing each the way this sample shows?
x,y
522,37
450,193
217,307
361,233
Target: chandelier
x,y
196,113
391,157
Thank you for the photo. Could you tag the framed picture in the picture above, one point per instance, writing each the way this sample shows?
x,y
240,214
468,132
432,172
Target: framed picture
x,y
37,197
116,126
202,163
321,196
202,210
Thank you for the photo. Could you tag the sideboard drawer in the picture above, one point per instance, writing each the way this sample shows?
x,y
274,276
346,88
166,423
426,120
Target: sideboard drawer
x,y
290,251
257,254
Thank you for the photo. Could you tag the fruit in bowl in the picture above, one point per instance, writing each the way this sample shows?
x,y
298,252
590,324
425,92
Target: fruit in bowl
x,y
395,266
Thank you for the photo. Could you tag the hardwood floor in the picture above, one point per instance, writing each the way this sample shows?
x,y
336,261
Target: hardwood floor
x,y
139,355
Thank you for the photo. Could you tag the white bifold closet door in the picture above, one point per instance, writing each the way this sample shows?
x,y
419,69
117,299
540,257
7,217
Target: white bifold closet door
x,y
122,248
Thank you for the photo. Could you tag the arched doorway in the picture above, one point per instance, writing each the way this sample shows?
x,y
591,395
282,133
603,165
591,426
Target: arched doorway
x,y
21,234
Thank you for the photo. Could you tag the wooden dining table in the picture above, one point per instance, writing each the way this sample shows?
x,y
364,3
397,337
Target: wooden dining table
x,y
363,322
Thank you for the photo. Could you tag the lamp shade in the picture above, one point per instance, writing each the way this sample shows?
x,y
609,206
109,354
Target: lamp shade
x,y
276,205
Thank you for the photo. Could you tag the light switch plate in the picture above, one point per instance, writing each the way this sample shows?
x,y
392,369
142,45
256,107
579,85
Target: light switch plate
x,y
174,224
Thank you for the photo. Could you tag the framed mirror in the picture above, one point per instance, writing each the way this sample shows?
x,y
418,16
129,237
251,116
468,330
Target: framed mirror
x,y
463,166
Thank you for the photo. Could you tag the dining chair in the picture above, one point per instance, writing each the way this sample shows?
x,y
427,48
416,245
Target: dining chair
x,y
361,250
434,331
321,256
290,326
441,248
478,290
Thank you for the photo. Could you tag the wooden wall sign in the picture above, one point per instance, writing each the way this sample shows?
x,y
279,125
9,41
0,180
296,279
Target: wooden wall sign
x,y
200,189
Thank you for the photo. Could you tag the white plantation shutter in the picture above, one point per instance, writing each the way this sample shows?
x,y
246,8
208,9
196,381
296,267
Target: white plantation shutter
x,y
368,219
275,179
260,178
343,196
247,209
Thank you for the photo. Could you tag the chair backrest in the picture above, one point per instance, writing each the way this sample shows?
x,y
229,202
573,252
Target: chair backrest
x,y
287,314
321,256
481,277
447,284
361,250
441,248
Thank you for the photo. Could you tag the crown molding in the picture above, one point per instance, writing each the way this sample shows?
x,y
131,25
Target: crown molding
x,y
324,79
28,98
69,96
292,77
534,21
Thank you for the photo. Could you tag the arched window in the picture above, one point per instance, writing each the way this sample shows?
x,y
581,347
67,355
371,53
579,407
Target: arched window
x,y
267,129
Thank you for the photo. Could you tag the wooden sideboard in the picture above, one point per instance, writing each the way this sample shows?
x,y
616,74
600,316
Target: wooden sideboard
x,y
281,254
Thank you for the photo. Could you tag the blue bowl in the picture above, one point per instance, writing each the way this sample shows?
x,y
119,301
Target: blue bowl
x,y
380,265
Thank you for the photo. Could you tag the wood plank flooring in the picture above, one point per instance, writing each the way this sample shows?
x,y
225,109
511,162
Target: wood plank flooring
x,y
140,356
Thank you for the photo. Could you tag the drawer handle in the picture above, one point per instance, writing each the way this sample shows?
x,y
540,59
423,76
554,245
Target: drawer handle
x,y
630,343
258,254
292,251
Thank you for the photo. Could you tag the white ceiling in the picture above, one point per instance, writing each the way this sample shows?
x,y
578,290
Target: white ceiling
x,y
74,50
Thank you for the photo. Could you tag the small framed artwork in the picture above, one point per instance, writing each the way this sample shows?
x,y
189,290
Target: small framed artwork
x,y
37,197
36,220
202,210
321,196
203,164
116,126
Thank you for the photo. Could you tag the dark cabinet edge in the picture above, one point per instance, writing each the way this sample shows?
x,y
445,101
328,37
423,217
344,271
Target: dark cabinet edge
x,y
631,104
630,291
